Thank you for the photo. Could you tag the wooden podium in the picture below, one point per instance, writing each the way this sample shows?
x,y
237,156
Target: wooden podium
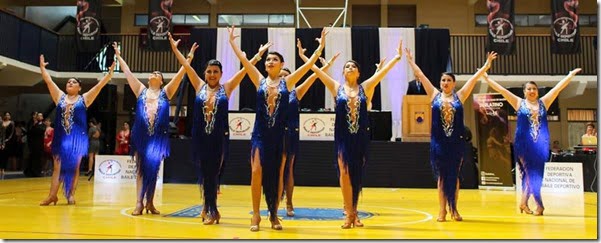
x,y
417,118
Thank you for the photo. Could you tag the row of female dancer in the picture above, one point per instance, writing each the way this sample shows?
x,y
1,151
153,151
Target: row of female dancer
x,y
275,134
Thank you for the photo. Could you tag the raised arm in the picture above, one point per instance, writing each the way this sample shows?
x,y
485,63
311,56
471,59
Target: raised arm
x,y
302,89
235,80
90,96
428,87
512,99
370,84
253,73
195,80
173,85
134,83
554,92
295,76
325,78
55,92
466,90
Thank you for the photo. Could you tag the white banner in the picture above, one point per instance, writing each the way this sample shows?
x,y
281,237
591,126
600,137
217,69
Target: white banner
x,y
115,180
562,190
316,126
241,125
118,169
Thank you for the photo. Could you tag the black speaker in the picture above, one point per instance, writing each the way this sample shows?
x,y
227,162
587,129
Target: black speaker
x,y
519,91
106,101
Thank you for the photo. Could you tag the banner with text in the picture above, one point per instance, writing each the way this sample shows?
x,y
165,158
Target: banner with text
x,y
494,140
118,169
562,190
87,35
501,31
317,127
159,24
565,34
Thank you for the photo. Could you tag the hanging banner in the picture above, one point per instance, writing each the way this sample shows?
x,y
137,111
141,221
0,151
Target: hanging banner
x,y
565,34
494,148
159,24
87,32
501,32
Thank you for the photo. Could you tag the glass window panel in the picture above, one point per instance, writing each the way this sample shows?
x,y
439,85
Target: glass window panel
x,y
542,20
281,20
520,20
481,20
178,19
593,20
256,19
229,19
197,19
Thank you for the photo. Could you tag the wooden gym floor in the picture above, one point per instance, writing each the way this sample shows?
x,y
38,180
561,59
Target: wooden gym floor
x,y
388,213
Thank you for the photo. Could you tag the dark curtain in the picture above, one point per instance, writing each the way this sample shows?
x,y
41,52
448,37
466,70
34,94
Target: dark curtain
x,y
366,52
250,42
314,98
207,39
432,52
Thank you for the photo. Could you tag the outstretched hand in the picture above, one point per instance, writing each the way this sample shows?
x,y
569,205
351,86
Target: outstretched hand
x,y
173,42
491,56
399,50
264,48
575,71
408,54
301,50
322,39
231,31
43,63
193,50
379,65
116,48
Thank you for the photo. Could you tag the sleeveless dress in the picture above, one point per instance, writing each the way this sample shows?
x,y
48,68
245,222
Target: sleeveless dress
x,y
447,145
351,138
268,139
150,141
531,147
292,136
70,141
210,139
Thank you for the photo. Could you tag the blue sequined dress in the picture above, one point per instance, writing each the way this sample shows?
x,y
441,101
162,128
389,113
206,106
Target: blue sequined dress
x,y
531,147
292,136
210,138
70,141
150,141
447,145
351,137
268,138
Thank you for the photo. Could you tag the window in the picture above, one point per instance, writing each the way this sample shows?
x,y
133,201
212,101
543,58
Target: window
x,y
256,20
177,19
538,20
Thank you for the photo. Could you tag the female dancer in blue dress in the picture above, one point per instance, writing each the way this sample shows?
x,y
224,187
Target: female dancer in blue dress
x,y
210,130
292,132
149,135
351,131
531,141
268,133
446,138
70,141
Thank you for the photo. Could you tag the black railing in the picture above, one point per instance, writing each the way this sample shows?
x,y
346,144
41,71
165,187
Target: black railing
x,y
532,56
24,41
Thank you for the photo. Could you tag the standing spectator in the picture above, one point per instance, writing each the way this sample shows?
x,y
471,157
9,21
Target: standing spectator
x,y
94,144
122,147
48,136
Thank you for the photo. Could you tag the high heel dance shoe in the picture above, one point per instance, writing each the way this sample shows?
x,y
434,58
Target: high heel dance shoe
x,y
442,216
212,219
276,224
525,208
539,211
138,210
49,200
349,220
152,209
254,224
